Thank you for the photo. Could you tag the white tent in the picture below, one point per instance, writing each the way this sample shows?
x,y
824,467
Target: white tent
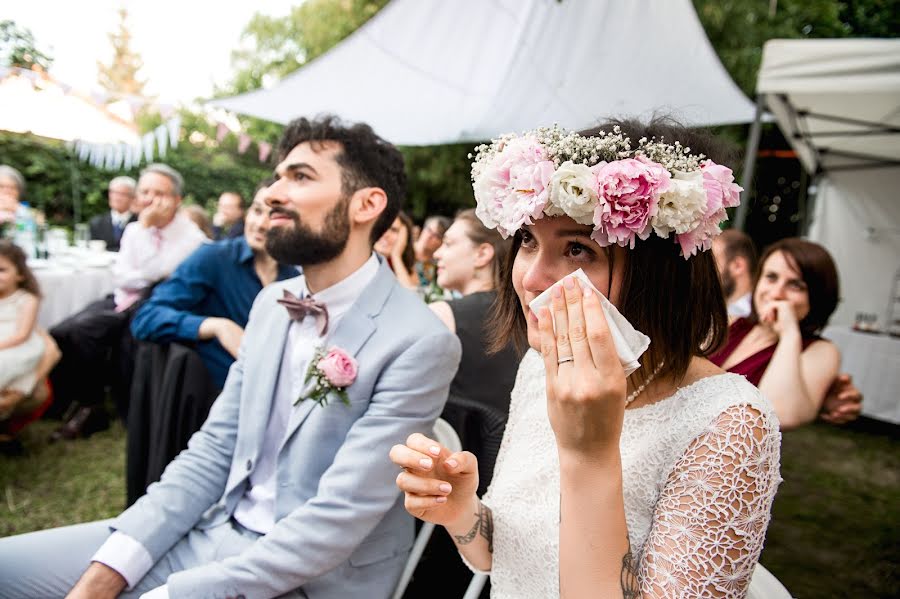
x,y
838,103
431,71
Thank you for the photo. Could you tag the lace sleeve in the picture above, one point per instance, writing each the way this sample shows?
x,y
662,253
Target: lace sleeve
x,y
711,518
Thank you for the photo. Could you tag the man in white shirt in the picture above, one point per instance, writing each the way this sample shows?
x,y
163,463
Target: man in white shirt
x,y
286,490
735,255
110,225
96,340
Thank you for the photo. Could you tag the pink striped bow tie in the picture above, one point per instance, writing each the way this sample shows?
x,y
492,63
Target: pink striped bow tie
x,y
298,309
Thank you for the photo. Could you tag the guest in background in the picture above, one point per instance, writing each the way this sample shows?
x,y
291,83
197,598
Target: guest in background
x,y
426,243
397,247
12,190
737,262
735,255
97,340
110,225
199,217
228,221
207,299
778,347
469,262
21,346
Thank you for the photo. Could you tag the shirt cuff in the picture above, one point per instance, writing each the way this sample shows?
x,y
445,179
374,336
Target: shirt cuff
x,y
126,556
189,326
157,593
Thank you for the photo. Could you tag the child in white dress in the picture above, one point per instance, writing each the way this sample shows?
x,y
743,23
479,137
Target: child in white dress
x,y
21,346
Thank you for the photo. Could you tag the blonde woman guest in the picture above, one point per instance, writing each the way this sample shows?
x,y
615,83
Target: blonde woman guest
x,y
657,484
396,245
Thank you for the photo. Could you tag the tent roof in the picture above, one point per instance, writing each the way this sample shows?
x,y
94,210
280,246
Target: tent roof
x,y
430,71
837,101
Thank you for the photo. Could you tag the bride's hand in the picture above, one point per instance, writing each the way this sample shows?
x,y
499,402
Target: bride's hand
x,y
585,395
439,486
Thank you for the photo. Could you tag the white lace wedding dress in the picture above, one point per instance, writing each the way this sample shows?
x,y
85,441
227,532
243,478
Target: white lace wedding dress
x,y
700,471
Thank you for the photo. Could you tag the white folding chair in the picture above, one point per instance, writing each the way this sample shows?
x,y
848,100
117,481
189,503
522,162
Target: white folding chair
x,y
764,585
446,436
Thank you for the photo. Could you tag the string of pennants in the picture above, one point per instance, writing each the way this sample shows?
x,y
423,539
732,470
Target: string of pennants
x,y
123,156
153,145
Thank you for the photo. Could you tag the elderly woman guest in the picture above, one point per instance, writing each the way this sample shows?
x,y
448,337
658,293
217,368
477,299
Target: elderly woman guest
x,y
396,246
777,347
12,190
656,484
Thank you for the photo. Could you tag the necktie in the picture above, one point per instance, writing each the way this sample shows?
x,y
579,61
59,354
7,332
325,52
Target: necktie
x,y
117,230
298,309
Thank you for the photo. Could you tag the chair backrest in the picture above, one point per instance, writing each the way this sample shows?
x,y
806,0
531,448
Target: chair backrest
x,y
444,434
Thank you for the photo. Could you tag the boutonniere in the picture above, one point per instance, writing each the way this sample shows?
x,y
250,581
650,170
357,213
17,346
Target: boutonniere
x,y
330,371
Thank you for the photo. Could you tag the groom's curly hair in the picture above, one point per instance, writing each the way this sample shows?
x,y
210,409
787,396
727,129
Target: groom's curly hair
x,y
678,303
366,160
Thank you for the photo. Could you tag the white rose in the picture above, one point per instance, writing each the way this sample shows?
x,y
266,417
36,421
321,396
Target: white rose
x,y
682,206
573,192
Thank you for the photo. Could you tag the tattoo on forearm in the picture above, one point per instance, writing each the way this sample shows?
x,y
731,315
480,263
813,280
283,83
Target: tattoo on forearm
x,y
484,524
628,578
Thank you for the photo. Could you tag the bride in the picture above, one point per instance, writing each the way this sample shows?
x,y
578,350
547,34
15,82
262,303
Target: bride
x,y
658,484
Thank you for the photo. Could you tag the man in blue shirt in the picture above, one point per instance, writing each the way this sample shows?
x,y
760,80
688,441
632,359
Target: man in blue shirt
x,y
207,299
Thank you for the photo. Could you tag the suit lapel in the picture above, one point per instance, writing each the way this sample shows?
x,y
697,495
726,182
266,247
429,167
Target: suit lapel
x,y
351,333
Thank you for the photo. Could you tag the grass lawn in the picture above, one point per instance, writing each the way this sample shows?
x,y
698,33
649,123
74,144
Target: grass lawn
x,y
835,529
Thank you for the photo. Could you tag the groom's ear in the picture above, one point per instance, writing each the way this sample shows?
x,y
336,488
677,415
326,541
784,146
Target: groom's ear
x,y
366,205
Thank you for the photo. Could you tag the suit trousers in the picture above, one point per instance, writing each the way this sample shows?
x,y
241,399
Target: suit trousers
x,y
96,346
46,564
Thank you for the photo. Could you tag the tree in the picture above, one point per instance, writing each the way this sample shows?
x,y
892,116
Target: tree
x,y
18,48
119,77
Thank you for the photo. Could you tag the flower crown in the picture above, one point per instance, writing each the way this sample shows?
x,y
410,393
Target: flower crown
x,y
625,193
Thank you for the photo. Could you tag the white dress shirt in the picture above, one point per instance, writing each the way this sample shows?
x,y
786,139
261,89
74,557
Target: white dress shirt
x,y
256,509
740,308
150,254
119,218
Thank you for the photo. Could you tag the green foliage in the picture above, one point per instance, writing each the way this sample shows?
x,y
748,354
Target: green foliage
x,y
56,179
738,29
18,49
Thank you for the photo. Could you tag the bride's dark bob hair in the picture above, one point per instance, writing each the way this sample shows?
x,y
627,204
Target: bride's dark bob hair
x,y
678,303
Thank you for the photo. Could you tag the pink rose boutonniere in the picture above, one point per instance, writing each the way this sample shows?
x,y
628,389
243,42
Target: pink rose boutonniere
x,y
330,371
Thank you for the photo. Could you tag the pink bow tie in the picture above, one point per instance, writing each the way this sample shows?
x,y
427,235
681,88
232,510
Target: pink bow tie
x,y
298,309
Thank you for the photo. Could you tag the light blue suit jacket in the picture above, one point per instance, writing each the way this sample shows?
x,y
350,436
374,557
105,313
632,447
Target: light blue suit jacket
x,y
341,530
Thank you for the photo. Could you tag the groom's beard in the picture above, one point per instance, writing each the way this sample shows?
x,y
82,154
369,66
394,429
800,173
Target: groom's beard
x,y
300,245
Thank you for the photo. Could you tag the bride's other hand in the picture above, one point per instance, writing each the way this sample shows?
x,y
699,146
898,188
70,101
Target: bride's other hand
x,y
585,395
439,485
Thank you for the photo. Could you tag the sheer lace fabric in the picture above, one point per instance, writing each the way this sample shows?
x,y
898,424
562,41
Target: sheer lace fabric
x,y
700,471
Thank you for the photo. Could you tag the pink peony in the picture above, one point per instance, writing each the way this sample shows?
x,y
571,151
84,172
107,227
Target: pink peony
x,y
721,190
338,367
628,197
511,189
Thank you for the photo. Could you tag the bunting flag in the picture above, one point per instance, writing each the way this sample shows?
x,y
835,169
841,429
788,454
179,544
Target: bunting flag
x,y
243,143
221,132
147,143
162,140
174,127
265,148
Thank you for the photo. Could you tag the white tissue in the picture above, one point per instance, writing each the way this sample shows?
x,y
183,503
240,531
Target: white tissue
x,y
630,343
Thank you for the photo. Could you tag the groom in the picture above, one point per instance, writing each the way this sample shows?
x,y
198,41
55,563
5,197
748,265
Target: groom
x,y
275,496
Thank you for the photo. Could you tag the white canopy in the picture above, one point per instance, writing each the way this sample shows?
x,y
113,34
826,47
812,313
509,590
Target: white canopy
x,y
431,71
838,103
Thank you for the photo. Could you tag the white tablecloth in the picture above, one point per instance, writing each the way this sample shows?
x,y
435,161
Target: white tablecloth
x,y
68,287
874,362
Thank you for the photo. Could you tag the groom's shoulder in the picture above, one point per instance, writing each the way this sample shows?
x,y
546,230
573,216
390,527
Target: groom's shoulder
x,y
410,316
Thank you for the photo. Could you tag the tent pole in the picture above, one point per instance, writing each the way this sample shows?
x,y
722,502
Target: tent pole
x,y
740,218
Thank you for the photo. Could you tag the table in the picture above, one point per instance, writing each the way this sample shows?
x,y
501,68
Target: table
x,y
70,283
874,362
